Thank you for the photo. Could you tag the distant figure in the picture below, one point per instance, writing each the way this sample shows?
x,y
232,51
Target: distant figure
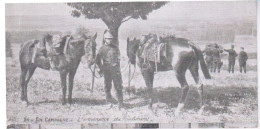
x,y
216,58
209,57
242,60
232,54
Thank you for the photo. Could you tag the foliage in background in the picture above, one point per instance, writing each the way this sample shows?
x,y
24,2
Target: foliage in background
x,y
8,46
81,30
113,14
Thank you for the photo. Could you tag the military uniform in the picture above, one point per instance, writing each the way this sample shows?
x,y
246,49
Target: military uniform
x,y
209,58
242,61
109,55
216,59
231,59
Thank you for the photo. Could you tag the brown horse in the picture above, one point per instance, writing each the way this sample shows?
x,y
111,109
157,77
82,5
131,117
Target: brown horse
x,y
69,60
183,56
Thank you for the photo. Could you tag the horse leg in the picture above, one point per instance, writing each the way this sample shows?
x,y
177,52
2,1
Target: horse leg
x,y
31,71
185,88
181,68
194,69
148,76
63,77
22,82
71,79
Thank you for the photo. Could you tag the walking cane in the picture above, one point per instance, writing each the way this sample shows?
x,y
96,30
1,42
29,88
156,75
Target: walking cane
x,y
93,78
129,78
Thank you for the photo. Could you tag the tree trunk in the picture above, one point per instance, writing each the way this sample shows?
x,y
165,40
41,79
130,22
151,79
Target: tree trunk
x,y
113,26
114,31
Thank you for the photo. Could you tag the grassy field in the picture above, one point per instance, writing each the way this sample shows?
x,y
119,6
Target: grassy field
x,y
228,97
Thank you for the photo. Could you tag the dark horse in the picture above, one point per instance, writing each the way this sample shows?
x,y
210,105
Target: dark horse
x,y
183,55
69,60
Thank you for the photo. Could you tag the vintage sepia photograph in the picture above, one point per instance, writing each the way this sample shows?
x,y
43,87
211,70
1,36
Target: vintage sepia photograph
x,y
141,64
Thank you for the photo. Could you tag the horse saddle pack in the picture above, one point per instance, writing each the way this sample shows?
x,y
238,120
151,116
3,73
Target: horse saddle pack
x,y
156,52
153,51
56,49
56,45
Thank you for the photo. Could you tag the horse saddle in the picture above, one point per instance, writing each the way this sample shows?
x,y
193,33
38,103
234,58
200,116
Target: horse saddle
x,y
57,45
153,51
56,50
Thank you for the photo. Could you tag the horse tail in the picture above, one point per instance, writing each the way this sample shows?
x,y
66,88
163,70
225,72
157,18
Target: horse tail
x,y
203,65
25,48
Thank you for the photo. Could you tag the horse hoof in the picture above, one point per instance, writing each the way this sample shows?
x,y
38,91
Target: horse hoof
x,y
70,102
178,109
63,103
24,103
120,105
150,106
201,110
177,113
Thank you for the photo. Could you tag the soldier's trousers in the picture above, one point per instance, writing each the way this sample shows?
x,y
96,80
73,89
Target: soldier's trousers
x,y
209,63
242,67
113,73
231,65
216,65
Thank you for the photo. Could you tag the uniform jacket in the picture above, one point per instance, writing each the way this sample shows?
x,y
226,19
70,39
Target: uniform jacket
x,y
232,54
216,53
207,51
109,55
242,57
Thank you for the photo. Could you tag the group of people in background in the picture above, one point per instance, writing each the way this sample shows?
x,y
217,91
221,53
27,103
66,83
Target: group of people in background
x,y
213,58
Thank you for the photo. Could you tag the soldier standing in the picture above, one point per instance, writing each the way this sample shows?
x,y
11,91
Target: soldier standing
x,y
242,60
232,54
209,58
216,58
109,55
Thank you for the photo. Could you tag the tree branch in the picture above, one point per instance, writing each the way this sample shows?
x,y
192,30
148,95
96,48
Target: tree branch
x,y
126,19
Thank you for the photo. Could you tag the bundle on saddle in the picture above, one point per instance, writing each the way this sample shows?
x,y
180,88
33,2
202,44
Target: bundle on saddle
x,y
55,47
56,51
154,51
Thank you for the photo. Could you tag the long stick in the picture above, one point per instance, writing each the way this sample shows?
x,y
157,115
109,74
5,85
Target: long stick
x,y
129,78
93,78
155,60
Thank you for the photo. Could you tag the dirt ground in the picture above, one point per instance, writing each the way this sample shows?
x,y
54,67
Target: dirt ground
x,y
228,98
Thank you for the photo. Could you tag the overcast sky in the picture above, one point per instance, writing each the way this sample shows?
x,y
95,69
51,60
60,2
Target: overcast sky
x,y
236,9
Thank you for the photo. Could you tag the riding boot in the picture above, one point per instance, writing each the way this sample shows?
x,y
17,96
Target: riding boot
x,y
151,97
120,98
109,98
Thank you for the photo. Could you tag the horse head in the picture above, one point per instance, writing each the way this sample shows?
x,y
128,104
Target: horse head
x,y
132,48
90,48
